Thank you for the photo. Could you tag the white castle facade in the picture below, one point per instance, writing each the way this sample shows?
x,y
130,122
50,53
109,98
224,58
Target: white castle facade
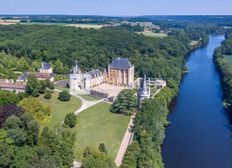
x,y
84,81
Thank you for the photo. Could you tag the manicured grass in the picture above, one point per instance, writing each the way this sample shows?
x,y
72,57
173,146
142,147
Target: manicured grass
x,y
61,88
59,109
88,97
98,125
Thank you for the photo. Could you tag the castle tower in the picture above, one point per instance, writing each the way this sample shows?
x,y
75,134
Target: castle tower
x,y
144,91
75,78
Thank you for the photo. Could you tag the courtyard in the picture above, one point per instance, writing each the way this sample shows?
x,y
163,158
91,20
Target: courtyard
x,y
110,90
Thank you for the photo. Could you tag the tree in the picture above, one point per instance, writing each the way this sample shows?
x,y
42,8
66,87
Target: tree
x,y
33,86
125,103
59,145
70,120
35,65
22,156
18,135
8,110
48,94
45,85
31,127
58,67
93,158
12,122
7,97
23,64
40,111
23,130
131,156
44,158
64,96
4,138
6,155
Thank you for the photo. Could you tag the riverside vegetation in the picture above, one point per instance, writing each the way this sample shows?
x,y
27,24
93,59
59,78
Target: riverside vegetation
x,y
222,58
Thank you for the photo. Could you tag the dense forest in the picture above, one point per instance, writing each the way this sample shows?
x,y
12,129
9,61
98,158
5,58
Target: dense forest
x,y
96,48
155,57
223,57
21,143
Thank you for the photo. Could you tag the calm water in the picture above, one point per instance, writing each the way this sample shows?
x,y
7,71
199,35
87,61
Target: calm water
x,y
200,134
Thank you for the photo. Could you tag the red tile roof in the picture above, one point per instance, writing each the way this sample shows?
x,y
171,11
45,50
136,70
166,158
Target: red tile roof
x,y
20,86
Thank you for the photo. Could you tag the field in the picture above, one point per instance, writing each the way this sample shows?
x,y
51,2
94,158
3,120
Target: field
x,y
42,23
86,26
98,125
152,34
60,109
228,59
9,22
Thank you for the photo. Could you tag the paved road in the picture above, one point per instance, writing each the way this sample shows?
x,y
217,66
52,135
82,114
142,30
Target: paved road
x,y
85,103
128,137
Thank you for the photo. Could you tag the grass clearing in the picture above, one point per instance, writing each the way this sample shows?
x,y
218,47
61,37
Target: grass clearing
x,y
59,109
152,34
86,26
98,125
194,42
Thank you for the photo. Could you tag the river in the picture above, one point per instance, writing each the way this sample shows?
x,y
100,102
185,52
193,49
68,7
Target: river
x,y
199,135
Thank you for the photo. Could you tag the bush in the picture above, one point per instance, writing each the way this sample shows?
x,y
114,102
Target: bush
x,y
64,96
48,95
40,111
102,148
70,120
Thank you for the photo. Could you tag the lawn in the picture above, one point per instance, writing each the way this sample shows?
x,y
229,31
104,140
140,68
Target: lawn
x,y
88,97
98,125
60,109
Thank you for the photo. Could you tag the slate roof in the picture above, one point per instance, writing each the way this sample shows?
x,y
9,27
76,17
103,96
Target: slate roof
x,y
121,63
94,73
45,65
23,77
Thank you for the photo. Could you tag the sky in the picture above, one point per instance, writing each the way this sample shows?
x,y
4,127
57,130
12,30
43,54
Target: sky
x,y
117,7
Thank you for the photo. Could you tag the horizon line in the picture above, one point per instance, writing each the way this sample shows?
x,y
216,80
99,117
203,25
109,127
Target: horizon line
x,y
116,15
